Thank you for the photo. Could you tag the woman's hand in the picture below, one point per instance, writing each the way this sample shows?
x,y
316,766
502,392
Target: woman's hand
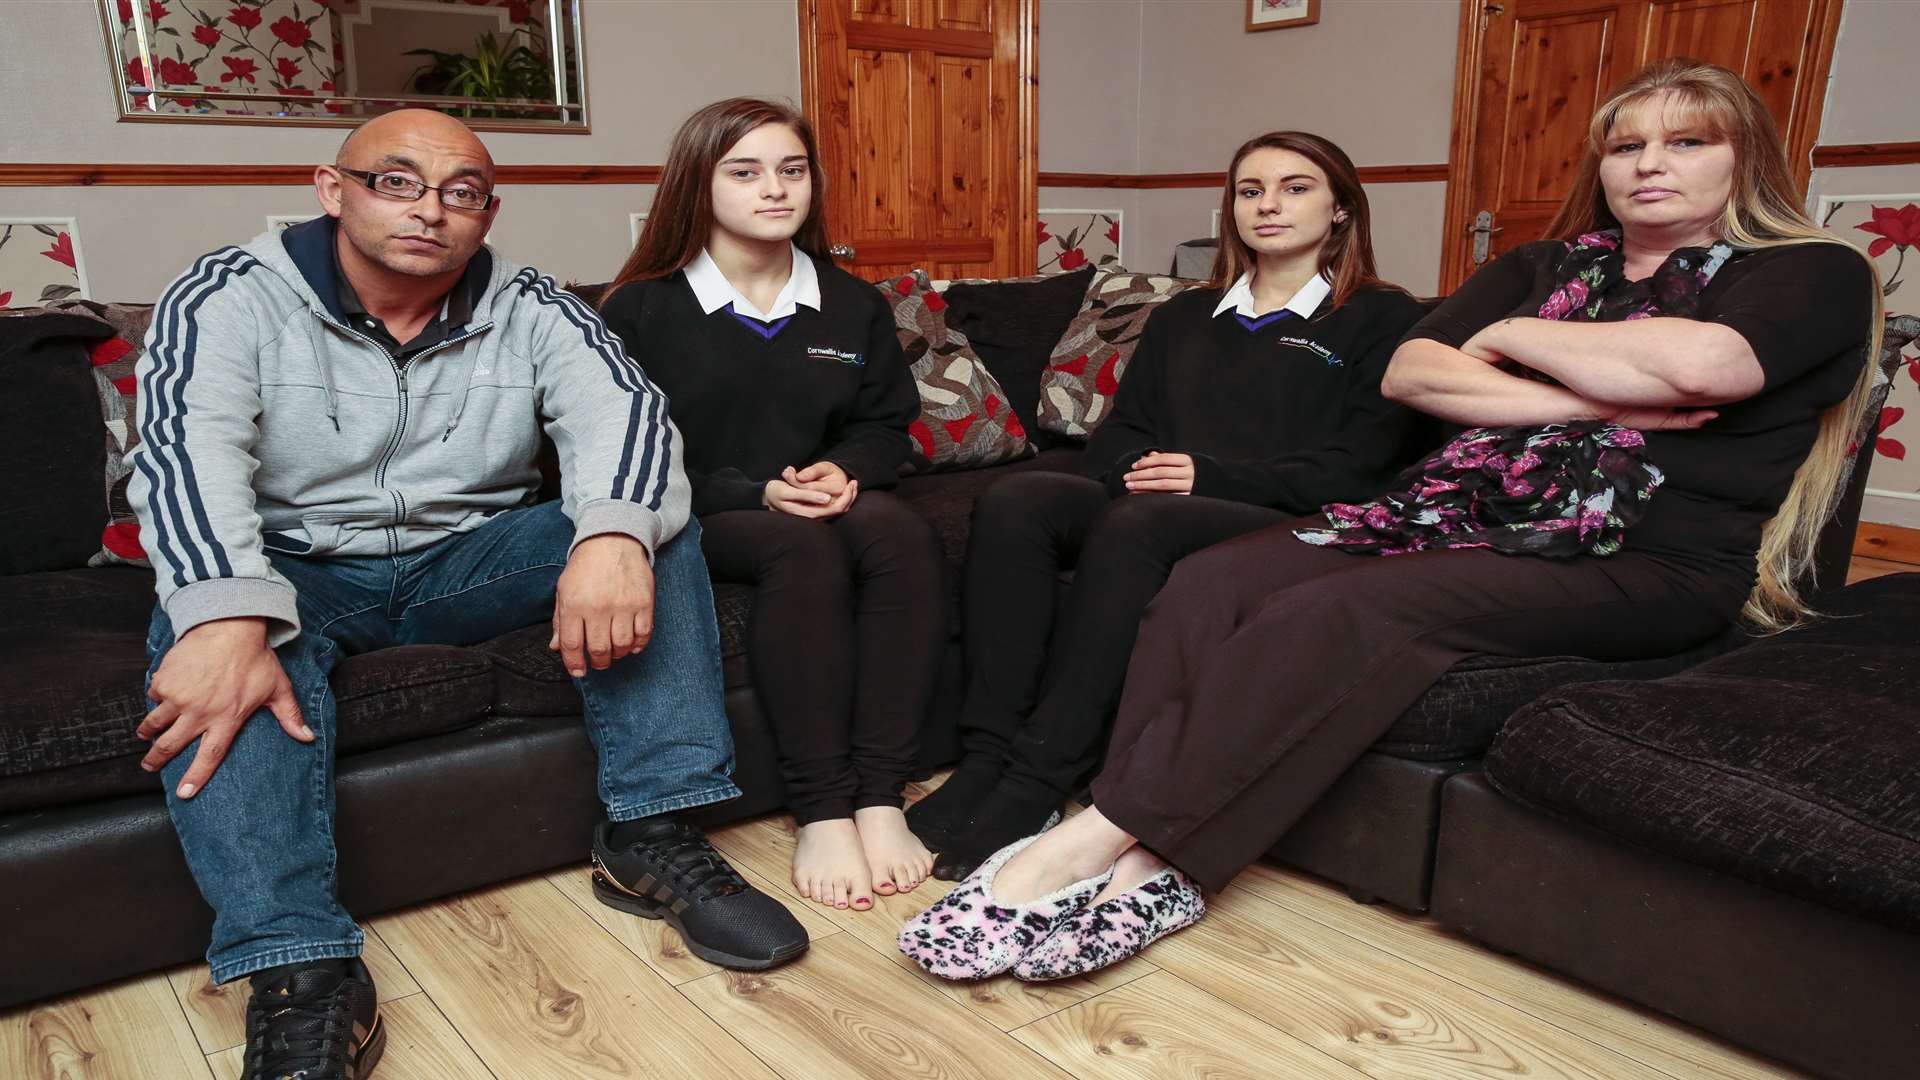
x,y
1161,471
821,490
1646,418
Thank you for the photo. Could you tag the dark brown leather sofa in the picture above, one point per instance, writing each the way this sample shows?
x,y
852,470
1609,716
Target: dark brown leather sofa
x,y
460,767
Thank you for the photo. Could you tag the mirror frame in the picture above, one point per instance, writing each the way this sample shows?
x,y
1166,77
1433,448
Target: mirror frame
x,y
125,95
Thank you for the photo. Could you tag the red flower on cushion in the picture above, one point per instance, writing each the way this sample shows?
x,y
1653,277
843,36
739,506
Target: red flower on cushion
x,y
207,35
1014,427
1106,383
124,384
1072,259
245,18
288,70
5,298
61,251
238,69
291,30
904,286
1892,448
1113,234
957,429
177,73
993,405
1044,234
1075,366
107,350
123,540
936,302
923,436
1897,228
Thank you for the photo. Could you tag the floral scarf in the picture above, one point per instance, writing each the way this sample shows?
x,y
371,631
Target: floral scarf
x,y
1558,490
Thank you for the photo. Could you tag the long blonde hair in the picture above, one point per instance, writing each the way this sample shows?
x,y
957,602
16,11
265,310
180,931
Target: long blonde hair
x,y
1763,210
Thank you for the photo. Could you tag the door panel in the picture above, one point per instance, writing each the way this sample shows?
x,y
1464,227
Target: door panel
x,y
926,115
1539,69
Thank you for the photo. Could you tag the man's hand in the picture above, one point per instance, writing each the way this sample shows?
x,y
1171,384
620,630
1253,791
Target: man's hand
x,y
208,684
1161,471
821,490
603,605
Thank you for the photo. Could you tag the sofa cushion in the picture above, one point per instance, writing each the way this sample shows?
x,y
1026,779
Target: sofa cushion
x,y
113,360
1076,392
1461,713
50,441
1014,324
72,688
965,421
1789,762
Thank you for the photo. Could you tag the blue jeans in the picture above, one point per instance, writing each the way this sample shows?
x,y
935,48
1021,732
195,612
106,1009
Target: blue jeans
x,y
259,835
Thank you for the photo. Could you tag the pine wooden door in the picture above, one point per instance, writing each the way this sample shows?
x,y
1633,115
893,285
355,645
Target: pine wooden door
x,y
1535,70
926,113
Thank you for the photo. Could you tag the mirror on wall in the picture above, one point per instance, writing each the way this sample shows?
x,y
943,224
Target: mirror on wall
x,y
500,65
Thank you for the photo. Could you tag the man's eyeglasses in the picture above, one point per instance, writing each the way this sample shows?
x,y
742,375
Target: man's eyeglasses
x,y
402,186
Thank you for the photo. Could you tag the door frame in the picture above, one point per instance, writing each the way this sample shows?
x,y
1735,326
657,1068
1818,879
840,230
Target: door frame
x,y
1024,35
1469,57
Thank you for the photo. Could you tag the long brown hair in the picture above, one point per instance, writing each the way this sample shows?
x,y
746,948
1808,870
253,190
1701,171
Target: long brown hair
x,y
1763,210
1346,258
681,218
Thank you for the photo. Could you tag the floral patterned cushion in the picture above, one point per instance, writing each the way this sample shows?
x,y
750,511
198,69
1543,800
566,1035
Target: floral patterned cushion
x,y
113,360
965,421
1076,390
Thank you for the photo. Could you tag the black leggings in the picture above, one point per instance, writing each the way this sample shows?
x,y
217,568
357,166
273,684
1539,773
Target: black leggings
x,y
1044,676
849,620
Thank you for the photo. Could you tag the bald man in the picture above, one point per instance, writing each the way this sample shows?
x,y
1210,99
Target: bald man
x,y
338,425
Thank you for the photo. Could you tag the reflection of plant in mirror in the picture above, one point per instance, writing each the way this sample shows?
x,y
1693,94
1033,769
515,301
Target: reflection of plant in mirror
x,y
496,70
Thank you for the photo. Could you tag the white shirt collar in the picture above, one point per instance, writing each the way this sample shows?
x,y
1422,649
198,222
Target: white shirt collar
x,y
714,291
1304,302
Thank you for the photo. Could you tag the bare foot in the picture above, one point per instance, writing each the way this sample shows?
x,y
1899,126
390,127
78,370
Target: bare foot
x,y
1129,871
896,859
1077,849
829,867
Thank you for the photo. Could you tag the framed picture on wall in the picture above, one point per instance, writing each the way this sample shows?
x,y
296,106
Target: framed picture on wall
x,y
635,222
1281,14
1071,239
40,261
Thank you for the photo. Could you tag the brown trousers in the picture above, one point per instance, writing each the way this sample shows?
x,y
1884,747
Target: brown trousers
x,y
1267,666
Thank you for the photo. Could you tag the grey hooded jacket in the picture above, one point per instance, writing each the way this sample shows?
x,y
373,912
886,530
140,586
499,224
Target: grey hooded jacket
x,y
267,424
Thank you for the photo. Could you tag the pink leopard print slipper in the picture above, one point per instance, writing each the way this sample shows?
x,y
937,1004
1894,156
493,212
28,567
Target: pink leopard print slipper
x,y
965,935
1112,930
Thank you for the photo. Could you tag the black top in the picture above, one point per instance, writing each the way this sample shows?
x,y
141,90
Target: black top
x,y
1805,311
1288,415
831,385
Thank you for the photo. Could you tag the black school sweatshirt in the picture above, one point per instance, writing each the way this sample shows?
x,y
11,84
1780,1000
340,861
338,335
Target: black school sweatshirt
x,y
1288,415
832,385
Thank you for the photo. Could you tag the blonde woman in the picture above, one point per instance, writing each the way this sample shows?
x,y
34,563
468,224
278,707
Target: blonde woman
x,y
1689,352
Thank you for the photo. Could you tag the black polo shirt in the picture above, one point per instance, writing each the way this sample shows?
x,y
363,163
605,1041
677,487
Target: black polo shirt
x,y
456,311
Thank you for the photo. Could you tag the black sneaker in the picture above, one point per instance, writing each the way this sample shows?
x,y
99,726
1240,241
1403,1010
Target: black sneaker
x,y
668,870
317,1020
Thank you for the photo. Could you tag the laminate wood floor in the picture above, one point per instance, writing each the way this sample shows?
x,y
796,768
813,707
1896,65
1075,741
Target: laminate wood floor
x,y
1285,978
